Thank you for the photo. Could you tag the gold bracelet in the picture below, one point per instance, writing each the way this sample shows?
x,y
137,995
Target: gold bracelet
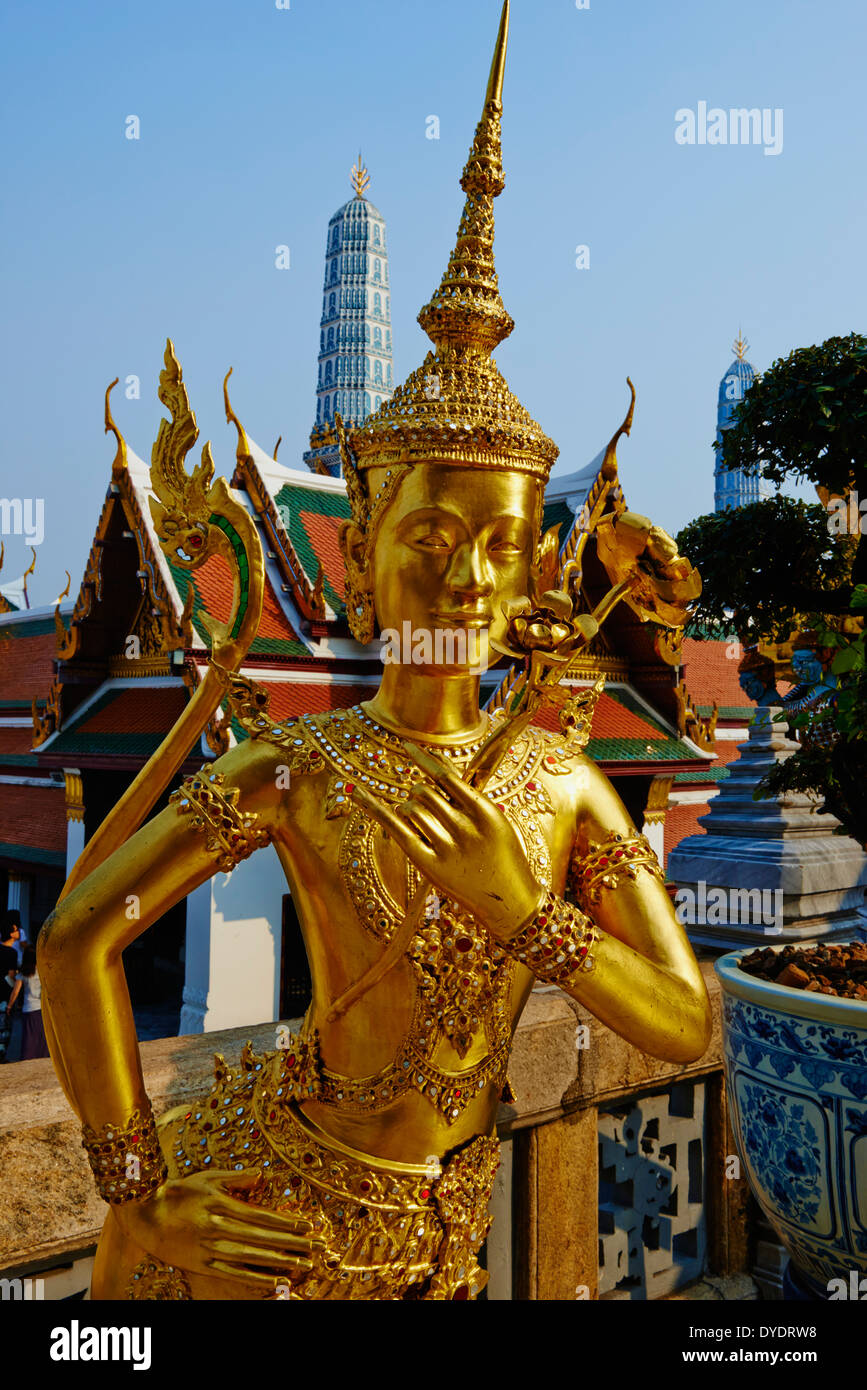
x,y
126,1160
230,834
616,858
557,942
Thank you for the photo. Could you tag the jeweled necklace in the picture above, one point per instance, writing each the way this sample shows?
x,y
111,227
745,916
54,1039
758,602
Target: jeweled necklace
x,y
400,733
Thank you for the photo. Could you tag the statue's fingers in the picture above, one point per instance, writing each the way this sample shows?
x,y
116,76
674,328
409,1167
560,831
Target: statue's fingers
x,y
237,1210
429,823
241,1252
404,834
273,1237
249,1276
449,820
445,777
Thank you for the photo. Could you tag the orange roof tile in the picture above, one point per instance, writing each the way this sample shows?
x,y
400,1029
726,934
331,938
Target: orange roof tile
x,y
323,532
27,665
33,818
710,675
288,700
681,821
16,743
212,584
727,751
139,710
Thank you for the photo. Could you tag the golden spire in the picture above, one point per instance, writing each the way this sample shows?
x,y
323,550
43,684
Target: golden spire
x,y
359,178
741,347
467,309
457,408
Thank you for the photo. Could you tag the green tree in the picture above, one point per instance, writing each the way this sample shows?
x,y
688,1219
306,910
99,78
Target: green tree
x,y
781,565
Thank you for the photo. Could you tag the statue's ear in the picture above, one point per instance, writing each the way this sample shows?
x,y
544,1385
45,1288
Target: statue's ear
x,y
353,545
546,571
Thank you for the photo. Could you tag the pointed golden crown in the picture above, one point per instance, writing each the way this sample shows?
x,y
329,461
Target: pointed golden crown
x,y
457,407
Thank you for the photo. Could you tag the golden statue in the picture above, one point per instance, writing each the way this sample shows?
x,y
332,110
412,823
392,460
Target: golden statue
x,y
441,859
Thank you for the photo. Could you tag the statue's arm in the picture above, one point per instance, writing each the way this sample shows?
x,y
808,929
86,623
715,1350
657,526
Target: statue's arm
x,y
200,1223
644,981
80,947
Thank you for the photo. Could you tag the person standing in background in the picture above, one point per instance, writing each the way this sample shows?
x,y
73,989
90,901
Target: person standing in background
x,y
8,982
33,1043
10,935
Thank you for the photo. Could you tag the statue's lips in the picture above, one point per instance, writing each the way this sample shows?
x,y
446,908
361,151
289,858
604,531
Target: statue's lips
x,y
465,619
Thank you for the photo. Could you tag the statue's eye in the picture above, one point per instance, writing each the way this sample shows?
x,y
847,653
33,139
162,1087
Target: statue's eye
x,y
434,541
503,546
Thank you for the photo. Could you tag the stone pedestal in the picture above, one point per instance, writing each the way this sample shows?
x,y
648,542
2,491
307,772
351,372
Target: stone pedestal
x,y
771,870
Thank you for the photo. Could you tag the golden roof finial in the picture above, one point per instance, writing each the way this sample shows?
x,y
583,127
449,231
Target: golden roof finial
x,y
27,574
119,462
741,347
467,309
359,178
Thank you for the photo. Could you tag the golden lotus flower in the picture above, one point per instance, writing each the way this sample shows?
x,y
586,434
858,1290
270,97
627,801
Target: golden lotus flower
x,y
551,629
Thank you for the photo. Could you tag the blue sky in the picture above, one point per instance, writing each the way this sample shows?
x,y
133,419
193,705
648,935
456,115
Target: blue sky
x,y
251,118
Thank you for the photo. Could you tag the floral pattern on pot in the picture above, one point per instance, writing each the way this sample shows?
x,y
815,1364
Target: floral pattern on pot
x,y
791,1167
798,1094
827,1056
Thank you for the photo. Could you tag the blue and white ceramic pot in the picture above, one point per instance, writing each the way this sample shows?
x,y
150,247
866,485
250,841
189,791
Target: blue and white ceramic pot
x,y
796,1073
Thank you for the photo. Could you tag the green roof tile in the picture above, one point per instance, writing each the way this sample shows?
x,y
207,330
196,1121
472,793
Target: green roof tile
x,y
634,750
291,502
54,858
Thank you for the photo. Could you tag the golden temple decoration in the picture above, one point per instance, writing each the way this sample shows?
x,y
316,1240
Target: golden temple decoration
x,y
46,722
576,715
59,629
154,1281
657,800
557,942
74,796
195,517
120,462
690,724
668,645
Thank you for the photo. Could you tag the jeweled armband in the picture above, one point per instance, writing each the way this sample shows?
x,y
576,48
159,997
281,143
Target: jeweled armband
x,y
608,863
230,834
126,1160
557,942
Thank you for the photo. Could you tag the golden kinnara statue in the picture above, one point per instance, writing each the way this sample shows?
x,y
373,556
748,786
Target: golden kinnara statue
x,y
441,859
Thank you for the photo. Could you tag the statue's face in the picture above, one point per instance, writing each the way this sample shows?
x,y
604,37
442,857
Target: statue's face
x,y
452,546
752,686
807,666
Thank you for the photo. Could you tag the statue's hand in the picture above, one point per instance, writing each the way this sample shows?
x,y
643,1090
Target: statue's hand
x,y
463,844
197,1225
